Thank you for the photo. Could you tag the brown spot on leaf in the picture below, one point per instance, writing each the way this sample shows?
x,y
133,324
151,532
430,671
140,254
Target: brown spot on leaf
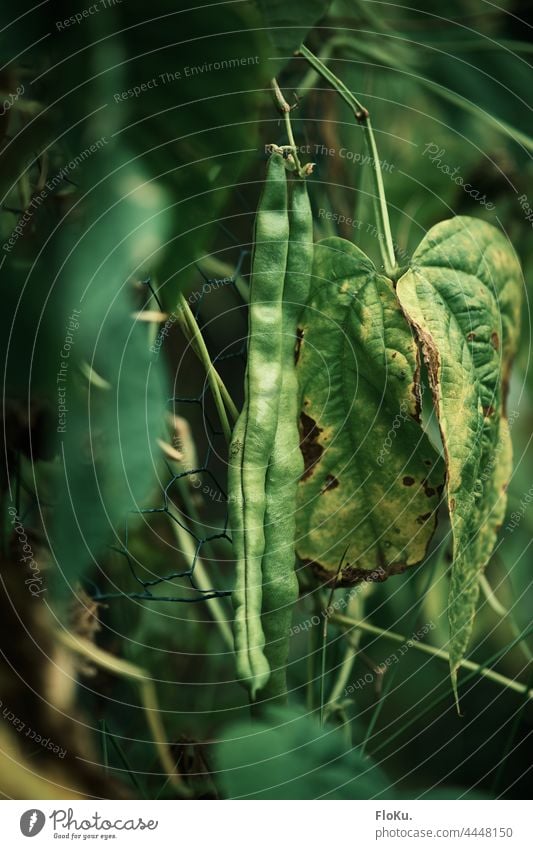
x,y
408,480
423,518
352,574
299,340
471,336
311,450
452,505
488,411
331,483
495,340
429,490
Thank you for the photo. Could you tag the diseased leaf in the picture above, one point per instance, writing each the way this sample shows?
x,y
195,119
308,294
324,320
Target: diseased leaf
x,y
462,296
373,481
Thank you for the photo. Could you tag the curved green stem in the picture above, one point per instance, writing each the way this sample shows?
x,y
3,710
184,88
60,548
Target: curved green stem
x,y
502,611
377,53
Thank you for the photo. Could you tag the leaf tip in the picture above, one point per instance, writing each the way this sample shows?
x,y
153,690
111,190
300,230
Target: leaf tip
x,y
453,678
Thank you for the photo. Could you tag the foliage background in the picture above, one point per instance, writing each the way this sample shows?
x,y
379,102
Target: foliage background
x,y
170,195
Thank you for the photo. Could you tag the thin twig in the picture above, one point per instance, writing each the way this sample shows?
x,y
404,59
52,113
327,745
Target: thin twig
x,y
200,576
355,608
285,109
192,331
517,686
502,611
125,669
362,117
325,638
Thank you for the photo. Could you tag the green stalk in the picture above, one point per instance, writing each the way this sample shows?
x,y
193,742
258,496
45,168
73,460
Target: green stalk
x,y
355,607
192,331
517,686
362,117
439,699
365,48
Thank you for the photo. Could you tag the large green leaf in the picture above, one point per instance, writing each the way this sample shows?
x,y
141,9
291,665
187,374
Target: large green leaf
x,y
462,296
294,758
112,388
289,23
373,481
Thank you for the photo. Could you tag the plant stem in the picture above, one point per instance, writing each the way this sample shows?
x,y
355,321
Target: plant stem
x,y
286,110
517,686
125,669
431,705
214,605
377,711
377,53
502,611
126,764
355,606
105,754
192,331
362,117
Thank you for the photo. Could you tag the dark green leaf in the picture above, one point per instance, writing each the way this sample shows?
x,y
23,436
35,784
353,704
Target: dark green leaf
x,y
294,758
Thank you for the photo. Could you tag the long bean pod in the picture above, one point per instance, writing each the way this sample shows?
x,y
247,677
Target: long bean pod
x,y
280,584
255,431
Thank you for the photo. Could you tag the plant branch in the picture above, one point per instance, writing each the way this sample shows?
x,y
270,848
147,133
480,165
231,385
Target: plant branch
x,y
214,605
502,611
364,48
362,117
125,669
193,333
517,686
285,110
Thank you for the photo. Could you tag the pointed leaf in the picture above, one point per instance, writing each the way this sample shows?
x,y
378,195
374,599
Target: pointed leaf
x,y
462,295
373,481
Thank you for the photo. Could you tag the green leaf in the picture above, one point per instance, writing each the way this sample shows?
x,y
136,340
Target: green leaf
x,y
373,481
294,758
462,296
112,388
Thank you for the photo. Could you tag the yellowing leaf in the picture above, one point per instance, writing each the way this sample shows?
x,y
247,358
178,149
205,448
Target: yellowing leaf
x,y
373,481
462,296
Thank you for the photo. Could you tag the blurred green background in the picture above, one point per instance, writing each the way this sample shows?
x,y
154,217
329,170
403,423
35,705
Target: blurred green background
x,y
181,103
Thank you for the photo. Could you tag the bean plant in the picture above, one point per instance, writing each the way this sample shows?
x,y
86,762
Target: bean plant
x,y
336,349
256,432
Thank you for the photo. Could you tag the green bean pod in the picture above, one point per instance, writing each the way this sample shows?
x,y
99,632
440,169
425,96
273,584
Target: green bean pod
x,y
280,584
255,431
